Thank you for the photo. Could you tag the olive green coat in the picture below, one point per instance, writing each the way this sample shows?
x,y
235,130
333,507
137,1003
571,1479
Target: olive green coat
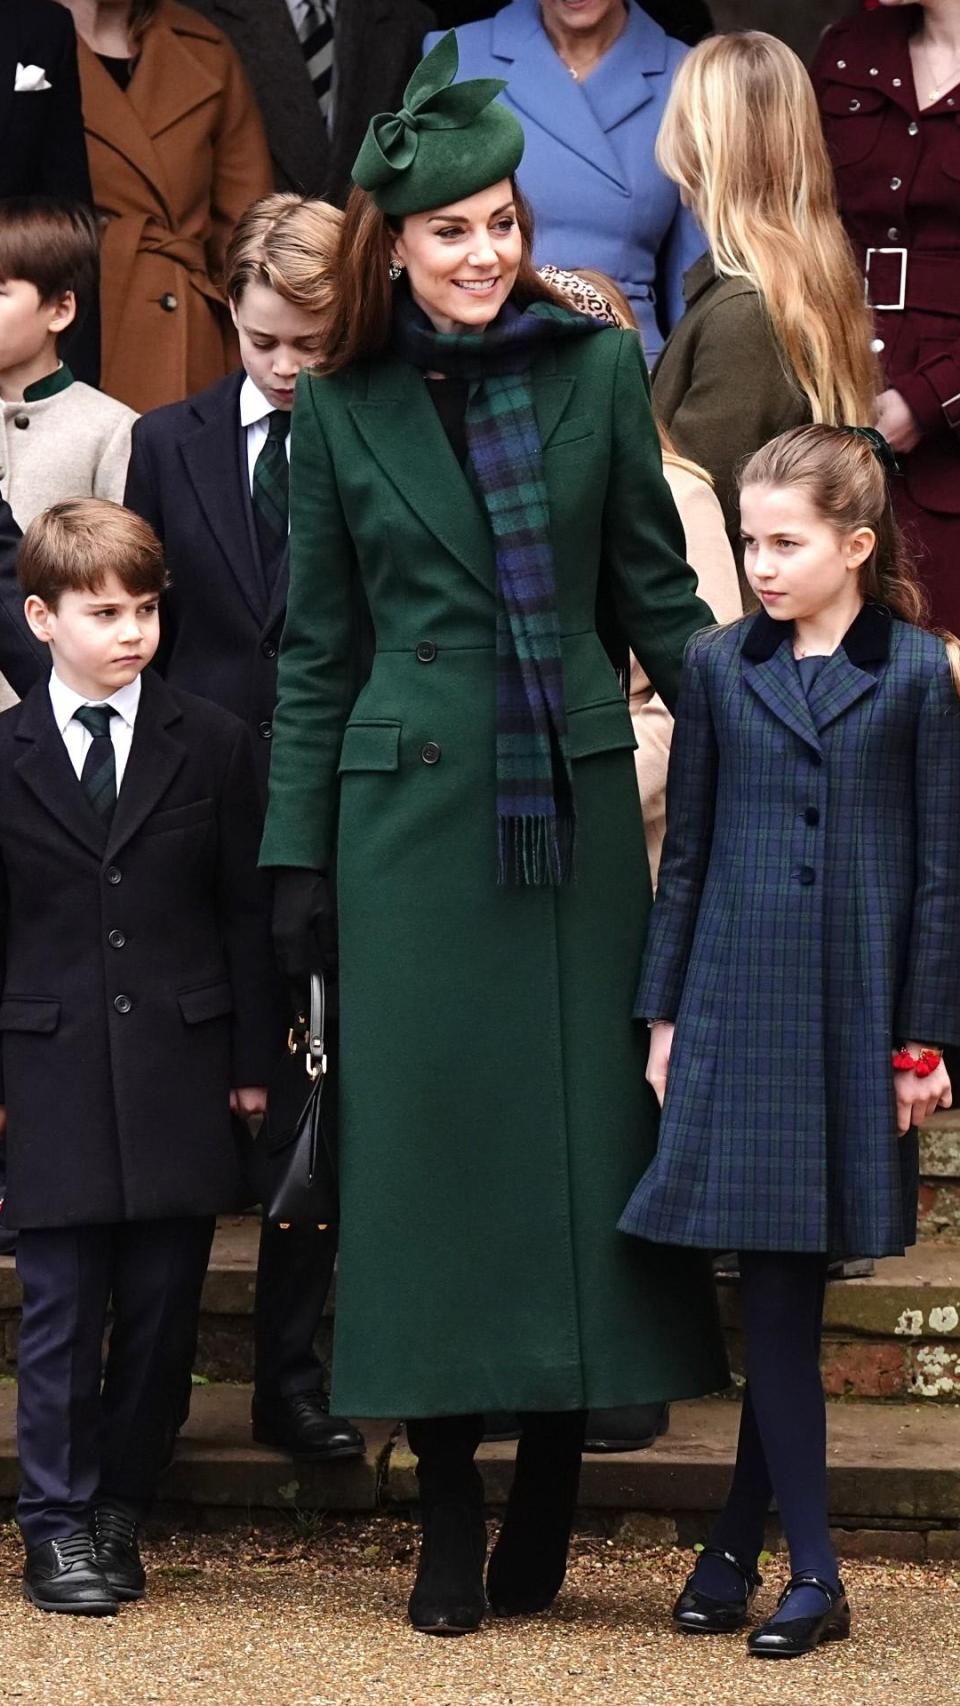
x,y
494,1116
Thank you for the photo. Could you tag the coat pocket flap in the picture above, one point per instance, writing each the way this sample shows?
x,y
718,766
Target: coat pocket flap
x,y
213,1001
843,101
370,746
600,728
29,1013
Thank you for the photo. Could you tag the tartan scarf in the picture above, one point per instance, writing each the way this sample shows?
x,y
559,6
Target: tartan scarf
x,y
535,803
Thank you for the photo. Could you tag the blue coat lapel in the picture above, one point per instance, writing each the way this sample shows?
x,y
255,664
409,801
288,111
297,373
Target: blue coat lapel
x,y
776,680
851,672
839,685
212,457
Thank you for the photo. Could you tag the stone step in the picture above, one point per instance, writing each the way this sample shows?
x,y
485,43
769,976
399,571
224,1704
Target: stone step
x,y
893,1335
891,1467
939,1218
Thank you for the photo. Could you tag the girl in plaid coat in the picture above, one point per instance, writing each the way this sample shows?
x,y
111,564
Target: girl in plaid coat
x,y
800,972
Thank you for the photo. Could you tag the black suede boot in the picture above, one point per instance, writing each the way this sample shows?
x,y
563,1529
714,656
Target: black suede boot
x,y
529,1560
448,1596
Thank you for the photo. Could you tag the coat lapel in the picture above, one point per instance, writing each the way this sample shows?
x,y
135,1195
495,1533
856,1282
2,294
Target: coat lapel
x,y
776,680
170,79
211,456
542,89
263,32
155,757
849,673
110,116
853,669
46,770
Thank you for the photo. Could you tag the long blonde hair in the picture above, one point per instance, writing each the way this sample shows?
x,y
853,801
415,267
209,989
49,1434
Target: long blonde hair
x,y
847,486
741,136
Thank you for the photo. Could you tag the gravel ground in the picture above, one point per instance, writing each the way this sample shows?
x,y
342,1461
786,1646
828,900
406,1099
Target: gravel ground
x,y
317,1619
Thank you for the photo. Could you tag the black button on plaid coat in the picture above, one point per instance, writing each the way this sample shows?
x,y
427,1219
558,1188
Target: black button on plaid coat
x,y
808,917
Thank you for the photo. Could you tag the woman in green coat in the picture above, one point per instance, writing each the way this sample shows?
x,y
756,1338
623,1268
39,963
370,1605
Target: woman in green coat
x,y
480,461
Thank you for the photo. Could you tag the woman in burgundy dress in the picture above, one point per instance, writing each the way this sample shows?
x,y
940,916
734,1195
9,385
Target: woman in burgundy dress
x,y
888,83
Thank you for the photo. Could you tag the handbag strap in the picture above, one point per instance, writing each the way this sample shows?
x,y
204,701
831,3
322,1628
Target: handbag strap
x,y
316,1036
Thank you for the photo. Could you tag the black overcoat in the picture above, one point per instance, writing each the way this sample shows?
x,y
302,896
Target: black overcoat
x,y
223,614
137,967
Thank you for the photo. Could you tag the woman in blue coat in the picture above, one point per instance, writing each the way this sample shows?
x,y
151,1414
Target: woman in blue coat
x,y
589,89
800,972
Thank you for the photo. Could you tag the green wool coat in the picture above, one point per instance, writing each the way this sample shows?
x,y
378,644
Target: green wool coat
x,y
494,1115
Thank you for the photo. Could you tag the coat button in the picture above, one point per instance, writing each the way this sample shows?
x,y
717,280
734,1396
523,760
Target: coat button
x,y
854,106
117,939
913,129
123,1003
873,71
812,816
895,183
168,302
430,753
897,82
268,649
841,65
265,731
22,421
426,651
806,875
113,875
877,345
893,233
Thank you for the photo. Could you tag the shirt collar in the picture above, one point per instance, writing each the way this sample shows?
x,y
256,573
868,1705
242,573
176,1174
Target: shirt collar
x,y
49,385
65,701
253,404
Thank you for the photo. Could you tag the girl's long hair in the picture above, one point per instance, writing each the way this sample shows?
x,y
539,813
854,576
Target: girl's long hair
x,y
741,136
362,315
847,486
140,17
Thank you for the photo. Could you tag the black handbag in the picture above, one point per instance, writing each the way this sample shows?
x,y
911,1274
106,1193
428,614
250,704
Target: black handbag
x,y
292,1161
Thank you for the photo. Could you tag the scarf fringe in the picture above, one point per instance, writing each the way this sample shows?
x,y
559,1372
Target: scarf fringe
x,y
535,852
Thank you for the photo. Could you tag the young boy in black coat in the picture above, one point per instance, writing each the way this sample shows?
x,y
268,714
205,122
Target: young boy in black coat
x,y
137,1013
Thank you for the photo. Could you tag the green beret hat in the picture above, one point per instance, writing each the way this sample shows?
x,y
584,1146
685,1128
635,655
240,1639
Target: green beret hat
x,y
448,140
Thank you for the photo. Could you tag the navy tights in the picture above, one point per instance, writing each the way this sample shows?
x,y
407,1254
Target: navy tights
x,y
782,1450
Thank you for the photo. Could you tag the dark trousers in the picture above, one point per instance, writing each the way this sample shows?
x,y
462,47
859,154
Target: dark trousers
x,y
294,1271
79,1440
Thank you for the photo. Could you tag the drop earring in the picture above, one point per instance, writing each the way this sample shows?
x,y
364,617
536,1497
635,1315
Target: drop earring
x,y
395,271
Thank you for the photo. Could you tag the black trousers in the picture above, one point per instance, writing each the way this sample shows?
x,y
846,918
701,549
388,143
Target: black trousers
x,y
78,1439
294,1271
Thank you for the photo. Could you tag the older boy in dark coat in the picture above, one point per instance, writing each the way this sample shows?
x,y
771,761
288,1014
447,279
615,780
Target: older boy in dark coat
x,y
137,1013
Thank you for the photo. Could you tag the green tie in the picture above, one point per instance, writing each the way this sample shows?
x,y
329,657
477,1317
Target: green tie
x,y
98,778
271,487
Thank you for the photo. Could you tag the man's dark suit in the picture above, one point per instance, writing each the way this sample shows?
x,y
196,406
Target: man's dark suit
x,y
42,145
377,45
188,476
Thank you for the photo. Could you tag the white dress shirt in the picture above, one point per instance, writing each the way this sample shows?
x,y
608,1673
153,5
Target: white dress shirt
x,y
254,415
77,739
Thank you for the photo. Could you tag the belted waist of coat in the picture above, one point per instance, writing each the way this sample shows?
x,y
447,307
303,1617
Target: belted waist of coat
x,y
131,234
898,278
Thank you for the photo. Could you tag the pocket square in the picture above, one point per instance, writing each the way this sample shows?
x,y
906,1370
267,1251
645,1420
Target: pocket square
x,y
30,80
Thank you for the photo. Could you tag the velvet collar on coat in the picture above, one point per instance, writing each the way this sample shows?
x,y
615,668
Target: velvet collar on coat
x,y
866,641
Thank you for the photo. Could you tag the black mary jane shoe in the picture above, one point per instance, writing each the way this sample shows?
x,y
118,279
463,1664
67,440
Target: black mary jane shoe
x,y
699,1613
794,1636
448,1595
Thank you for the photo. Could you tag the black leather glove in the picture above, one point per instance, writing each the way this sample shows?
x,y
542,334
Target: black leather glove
x,y
304,924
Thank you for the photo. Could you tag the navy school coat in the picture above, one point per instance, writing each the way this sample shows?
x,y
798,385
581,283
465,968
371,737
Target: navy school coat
x,y
807,918
138,979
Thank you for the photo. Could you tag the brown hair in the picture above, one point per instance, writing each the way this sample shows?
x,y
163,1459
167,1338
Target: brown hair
x,y
741,135
140,17
289,243
847,485
53,245
73,545
363,311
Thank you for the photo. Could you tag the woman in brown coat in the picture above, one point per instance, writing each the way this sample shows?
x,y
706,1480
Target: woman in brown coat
x,y
177,151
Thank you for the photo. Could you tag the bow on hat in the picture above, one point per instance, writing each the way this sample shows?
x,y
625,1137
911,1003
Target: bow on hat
x,y
431,101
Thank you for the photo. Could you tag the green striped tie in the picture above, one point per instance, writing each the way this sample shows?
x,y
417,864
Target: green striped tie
x,y
98,778
271,487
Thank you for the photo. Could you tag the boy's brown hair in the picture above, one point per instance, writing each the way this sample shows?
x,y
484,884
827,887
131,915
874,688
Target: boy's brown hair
x,y
53,244
73,545
289,243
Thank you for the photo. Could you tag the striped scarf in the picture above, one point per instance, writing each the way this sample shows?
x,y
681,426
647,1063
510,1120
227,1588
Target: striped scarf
x,y
535,802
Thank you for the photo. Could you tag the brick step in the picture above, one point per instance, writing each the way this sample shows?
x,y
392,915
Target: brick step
x,y
893,1335
940,1179
892,1468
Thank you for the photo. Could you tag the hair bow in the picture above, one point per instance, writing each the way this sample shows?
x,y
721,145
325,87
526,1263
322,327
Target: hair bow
x,y
431,101
882,450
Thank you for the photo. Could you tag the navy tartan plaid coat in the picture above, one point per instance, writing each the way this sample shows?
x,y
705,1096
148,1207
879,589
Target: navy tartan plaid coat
x,y
807,918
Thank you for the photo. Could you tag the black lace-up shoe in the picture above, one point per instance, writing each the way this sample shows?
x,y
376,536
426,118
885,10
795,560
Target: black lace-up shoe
x,y
115,1528
790,1637
63,1575
699,1613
